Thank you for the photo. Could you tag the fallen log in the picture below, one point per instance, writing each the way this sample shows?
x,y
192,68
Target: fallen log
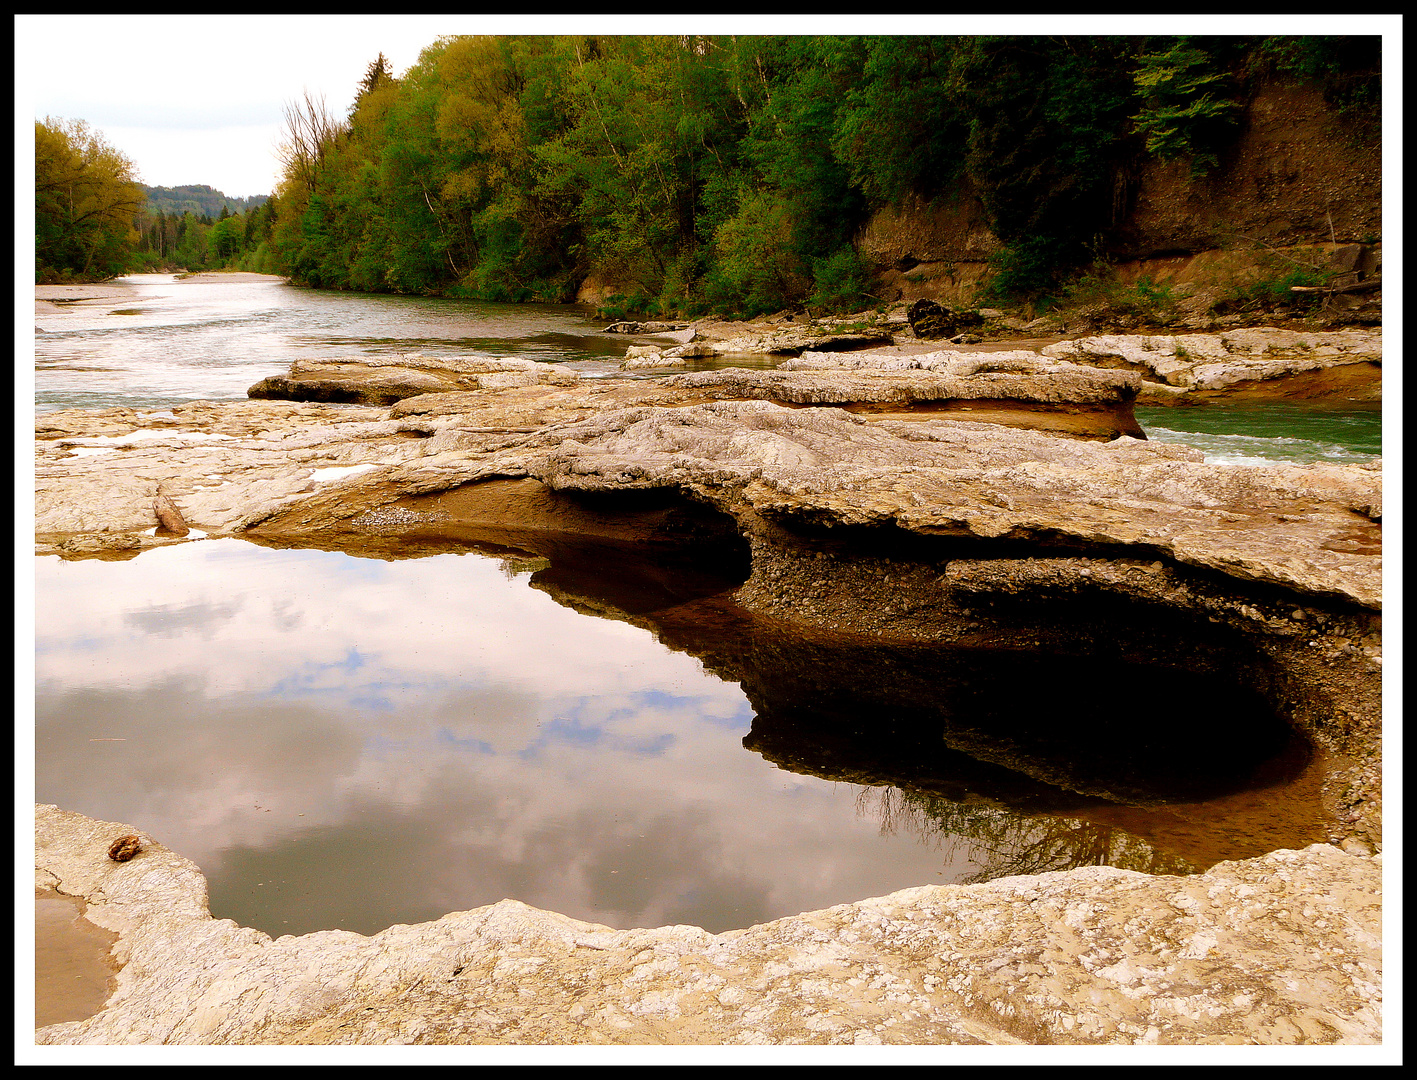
x,y
169,518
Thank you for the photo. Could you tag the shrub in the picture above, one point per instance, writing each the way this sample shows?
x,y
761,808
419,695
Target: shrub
x,y
840,282
755,270
1271,292
1030,269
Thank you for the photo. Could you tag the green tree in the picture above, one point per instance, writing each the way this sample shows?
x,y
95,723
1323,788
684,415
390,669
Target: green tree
x,y
86,197
1188,105
902,126
1048,121
191,249
224,239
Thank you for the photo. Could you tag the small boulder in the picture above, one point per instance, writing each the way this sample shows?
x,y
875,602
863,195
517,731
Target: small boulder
x,y
933,320
169,517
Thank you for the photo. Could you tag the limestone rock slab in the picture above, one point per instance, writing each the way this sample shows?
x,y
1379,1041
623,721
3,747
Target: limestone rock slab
x,y
1214,361
384,380
1312,529
1282,949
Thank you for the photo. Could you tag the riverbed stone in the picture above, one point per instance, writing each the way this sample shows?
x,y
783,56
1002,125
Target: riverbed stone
x,y
1215,361
1067,398
644,357
1281,948
1312,529
791,340
1284,949
375,380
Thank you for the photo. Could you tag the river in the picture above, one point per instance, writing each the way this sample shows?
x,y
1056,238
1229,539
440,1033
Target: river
x,y
344,742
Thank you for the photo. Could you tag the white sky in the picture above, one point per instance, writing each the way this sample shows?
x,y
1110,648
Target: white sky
x,y
198,99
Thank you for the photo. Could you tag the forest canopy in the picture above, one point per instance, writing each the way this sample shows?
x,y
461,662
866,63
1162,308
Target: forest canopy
x,y
732,174
694,174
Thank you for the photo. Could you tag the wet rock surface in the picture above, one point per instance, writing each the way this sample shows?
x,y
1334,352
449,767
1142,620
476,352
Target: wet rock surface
x,y
1280,949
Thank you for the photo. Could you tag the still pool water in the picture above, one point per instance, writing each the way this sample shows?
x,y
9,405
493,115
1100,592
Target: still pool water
x,y
343,742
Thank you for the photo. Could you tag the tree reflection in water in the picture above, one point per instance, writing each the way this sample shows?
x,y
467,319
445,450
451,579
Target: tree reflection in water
x,y
1004,842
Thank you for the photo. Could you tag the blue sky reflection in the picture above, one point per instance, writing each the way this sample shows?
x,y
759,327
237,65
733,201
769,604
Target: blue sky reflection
x,y
380,742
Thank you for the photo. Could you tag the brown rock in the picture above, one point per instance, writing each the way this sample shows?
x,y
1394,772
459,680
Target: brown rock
x,y
124,848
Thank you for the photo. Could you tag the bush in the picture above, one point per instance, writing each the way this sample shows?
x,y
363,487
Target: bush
x,y
840,282
755,271
1273,292
1100,287
635,306
1030,269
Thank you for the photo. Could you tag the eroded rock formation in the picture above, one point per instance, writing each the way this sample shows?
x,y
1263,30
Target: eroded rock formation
x,y
1280,949
1208,362
372,380
929,531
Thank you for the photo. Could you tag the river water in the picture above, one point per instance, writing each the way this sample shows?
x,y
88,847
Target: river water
x,y
351,742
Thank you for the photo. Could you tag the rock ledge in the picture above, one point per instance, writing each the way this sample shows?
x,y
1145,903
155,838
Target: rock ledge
x,y
1277,950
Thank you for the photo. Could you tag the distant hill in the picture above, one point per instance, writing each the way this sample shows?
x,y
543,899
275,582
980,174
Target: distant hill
x,y
198,198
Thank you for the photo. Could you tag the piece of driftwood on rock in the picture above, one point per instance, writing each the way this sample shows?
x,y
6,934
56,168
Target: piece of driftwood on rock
x,y
1371,285
169,518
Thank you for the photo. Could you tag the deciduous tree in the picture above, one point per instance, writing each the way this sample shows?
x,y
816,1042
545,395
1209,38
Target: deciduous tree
x,y
86,195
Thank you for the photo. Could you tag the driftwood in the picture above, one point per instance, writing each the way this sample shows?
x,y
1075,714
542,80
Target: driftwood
x,y
169,518
1357,286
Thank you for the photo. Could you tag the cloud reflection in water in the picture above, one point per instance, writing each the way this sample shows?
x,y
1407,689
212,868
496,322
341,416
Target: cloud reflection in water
x,y
344,742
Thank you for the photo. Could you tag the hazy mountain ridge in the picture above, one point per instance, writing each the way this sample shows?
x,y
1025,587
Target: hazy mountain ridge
x,y
198,198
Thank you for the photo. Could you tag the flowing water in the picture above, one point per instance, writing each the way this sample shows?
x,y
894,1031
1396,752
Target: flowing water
x,y
1262,433
351,742
162,340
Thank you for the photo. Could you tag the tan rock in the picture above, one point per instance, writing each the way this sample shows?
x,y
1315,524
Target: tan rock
x,y
1284,949
385,380
1311,529
1214,361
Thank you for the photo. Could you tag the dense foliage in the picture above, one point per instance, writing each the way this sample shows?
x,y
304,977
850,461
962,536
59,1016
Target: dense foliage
x,y
184,240
85,196
732,174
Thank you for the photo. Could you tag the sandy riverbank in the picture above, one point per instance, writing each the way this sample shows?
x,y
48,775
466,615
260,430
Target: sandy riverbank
x,y
50,298
205,277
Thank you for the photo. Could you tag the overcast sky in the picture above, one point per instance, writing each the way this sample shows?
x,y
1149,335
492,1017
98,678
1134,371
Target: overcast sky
x,y
198,99
195,99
